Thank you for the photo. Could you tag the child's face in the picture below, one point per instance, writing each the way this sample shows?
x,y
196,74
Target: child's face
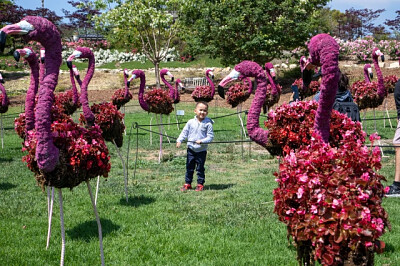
x,y
201,111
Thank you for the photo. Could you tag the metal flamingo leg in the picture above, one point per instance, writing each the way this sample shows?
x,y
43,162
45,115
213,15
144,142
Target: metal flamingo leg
x,y
163,130
363,119
124,167
240,118
97,189
98,223
151,135
2,131
176,118
124,119
50,203
375,120
161,139
387,113
62,228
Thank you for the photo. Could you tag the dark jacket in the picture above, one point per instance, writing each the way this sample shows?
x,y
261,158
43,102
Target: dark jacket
x,y
397,98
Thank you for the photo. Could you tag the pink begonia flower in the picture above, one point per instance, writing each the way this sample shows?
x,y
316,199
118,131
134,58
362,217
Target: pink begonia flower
x,y
300,192
335,203
374,137
303,178
387,190
301,212
346,226
365,176
314,209
368,244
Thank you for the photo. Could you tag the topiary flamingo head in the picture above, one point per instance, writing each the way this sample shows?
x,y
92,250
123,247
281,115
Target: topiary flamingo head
x,y
376,53
368,69
164,72
42,55
241,71
27,53
209,72
137,74
303,62
271,70
1,79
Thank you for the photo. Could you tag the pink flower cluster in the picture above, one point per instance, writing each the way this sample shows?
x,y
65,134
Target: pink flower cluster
x,y
309,91
83,155
331,199
270,99
159,101
12,64
202,93
4,108
237,94
366,94
95,45
109,119
118,98
390,82
292,125
65,101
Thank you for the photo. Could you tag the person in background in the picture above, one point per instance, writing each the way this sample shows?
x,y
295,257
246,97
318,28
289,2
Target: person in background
x,y
394,189
198,131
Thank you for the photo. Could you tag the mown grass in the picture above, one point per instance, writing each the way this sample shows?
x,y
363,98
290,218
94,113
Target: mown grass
x,y
230,223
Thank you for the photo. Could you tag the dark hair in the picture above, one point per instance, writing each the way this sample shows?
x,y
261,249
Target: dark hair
x,y
343,82
205,103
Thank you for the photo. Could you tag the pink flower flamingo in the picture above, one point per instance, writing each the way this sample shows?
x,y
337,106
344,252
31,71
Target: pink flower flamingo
x,y
4,103
105,114
205,93
53,146
122,96
155,101
316,184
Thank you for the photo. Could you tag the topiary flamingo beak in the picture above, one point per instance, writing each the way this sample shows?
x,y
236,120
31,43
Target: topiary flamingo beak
x,y
171,76
370,73
16,55
3,39
42,55
76,71
69,64
1,79
273,73
234,75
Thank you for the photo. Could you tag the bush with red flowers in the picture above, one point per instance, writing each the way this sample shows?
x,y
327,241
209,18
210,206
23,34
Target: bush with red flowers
x,y
291,126
202,94
109,119
118,98
366,94
65,101
237,94
331,201
83,155
19,125
3,108
270,100
309,91
390,82
159,101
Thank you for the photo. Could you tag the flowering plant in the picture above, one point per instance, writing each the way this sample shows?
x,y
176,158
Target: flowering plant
x,y
270,99
65,101
202,94
109,119
237,94
3,108
83,155
331,201
366,94
309,91
159,101
19,125
118,98
390,82
291,126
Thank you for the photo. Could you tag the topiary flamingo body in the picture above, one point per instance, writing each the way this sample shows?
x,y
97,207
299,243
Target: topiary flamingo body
x,y
122,96
4,102
205,93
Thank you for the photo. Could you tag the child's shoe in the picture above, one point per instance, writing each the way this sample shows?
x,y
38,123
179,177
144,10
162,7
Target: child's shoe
x,y
186,187
199,187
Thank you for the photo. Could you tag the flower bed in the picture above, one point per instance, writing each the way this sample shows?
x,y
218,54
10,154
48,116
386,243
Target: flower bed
x,y
202,94
237,94
65,101
270,100
330,199
118,98
159,101
291,126
109,119
309,91
366,94
83,155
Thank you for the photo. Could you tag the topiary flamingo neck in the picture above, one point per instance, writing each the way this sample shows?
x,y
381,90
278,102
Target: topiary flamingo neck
x,y
324,52
212,86
252,69
171,89
366,73
5,102
74,89
303,62
126,95
268,67
142,76
381,86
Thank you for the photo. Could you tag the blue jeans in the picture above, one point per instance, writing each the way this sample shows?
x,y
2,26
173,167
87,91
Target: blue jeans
x,y
195,160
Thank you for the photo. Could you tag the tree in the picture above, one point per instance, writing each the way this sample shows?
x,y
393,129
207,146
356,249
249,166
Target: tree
x,y
394,24
150,23
82,17
359,22
257,30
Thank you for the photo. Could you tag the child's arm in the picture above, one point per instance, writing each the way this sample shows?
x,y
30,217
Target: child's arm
x,y
209,137
183,135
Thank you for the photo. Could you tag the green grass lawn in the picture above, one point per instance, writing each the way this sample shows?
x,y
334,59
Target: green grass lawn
x,y
230,223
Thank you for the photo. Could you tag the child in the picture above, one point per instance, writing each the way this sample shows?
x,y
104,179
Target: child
x,y
198,131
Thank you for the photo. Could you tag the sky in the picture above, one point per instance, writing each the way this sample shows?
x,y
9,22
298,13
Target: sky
x,y
390,5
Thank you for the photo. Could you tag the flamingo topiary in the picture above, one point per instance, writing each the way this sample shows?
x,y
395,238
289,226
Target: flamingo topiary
x,y
122,96
3,107
205,93
105,115
155,101
60,153
330,198
273,90
173,92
